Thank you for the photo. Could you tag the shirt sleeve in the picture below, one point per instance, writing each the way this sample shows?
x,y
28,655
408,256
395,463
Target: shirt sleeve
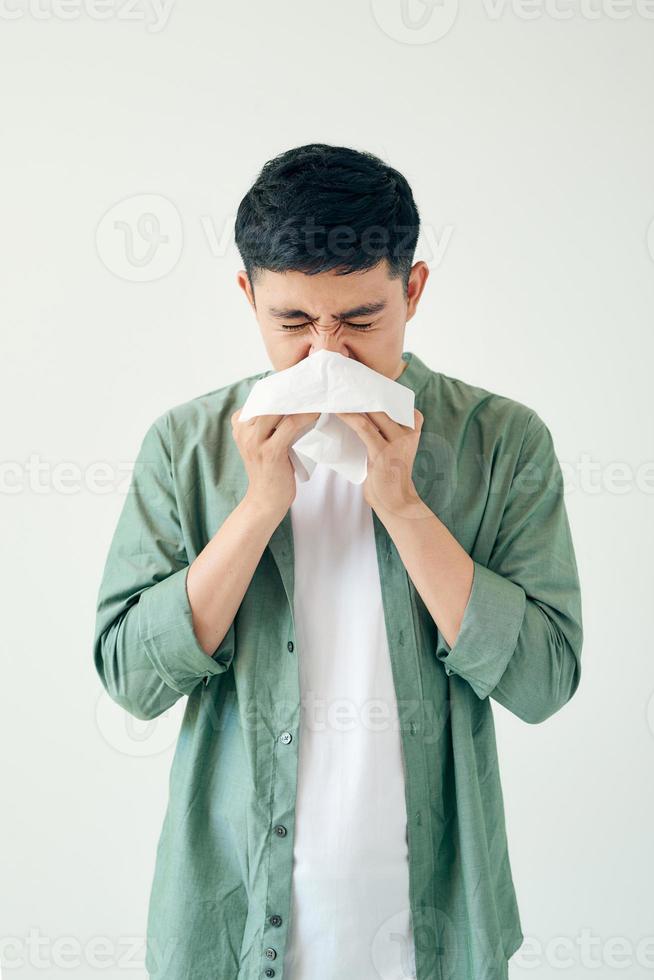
x,y
521,636
145,649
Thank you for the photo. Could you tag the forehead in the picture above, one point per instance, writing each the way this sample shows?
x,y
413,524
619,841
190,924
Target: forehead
x,y
326,291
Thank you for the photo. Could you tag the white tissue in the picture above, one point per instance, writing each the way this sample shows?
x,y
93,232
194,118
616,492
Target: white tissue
x,y
329,382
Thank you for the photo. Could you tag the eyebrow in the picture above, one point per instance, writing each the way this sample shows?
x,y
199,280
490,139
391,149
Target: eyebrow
x,y
365,309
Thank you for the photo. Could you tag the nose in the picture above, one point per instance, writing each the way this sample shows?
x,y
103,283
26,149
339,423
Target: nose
x,y
327,338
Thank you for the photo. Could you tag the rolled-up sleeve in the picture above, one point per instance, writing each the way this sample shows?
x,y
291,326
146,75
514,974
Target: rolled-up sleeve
x,y
521,635
145,648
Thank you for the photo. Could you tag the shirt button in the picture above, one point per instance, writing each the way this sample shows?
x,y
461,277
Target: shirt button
x,y
271,953
275,920
280,830
286,737
290,646
269,972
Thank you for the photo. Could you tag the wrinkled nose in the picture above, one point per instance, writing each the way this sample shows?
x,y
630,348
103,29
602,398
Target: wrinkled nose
x,y
323,338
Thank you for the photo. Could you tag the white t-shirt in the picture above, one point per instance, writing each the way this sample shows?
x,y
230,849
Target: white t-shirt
x,y
350,913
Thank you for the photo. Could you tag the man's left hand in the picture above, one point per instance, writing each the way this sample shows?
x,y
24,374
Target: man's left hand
x,y
388,487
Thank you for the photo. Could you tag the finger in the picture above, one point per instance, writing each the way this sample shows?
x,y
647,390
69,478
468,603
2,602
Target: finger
x,y
236,417
291,425
366,429
388,427
264,425
391,428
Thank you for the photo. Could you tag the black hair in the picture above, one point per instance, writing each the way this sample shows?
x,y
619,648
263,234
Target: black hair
x,y
318,207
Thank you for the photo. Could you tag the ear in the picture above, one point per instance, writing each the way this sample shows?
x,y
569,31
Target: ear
x,y
417,280
243,281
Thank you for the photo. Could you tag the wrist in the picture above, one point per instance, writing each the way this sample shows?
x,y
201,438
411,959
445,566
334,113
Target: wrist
x,y
412,507
261,510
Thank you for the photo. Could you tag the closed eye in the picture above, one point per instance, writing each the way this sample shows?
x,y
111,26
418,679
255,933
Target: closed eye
x,y
301,326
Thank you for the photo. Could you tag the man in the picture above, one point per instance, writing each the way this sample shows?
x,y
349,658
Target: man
x,y
297,842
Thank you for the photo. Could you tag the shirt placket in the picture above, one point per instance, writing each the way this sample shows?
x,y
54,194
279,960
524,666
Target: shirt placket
x,y
284,768
404,655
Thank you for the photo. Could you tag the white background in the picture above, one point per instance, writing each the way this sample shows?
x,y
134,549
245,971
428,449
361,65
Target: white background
x,y
526,134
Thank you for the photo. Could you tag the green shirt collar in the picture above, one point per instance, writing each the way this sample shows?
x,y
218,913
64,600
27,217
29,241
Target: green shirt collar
x,y
415,373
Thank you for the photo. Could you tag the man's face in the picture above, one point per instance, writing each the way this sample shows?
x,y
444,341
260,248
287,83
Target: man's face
x,y
360,315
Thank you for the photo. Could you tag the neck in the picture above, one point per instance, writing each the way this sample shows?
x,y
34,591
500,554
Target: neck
x,y
401,366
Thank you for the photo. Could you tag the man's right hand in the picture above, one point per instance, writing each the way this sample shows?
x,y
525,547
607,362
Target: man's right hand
x,y
263,443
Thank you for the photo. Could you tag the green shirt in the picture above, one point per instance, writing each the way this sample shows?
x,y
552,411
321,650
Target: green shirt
x,y
220,899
